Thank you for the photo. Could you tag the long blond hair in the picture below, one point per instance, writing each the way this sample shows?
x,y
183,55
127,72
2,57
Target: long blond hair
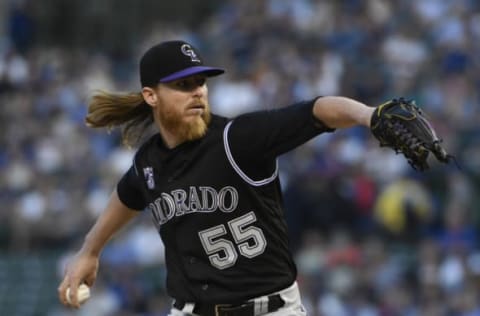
x,y
128,111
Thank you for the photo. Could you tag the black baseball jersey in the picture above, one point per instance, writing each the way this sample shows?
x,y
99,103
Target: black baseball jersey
x,y
218,206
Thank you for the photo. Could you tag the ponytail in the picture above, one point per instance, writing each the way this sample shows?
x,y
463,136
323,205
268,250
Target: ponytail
x,y
130,111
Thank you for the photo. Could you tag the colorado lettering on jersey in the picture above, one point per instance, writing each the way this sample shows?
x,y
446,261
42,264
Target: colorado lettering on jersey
x,y
201,199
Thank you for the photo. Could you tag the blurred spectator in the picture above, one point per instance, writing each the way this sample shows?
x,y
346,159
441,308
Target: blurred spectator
x,y
403,209
371,238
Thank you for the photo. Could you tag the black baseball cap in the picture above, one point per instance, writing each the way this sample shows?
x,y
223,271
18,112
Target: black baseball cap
x,y
170,61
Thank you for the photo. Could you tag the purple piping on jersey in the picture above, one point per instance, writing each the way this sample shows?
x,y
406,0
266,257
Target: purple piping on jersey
x,y
237,168
209,71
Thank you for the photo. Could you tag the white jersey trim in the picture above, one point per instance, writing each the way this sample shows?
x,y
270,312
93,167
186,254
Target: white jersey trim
x,y
237,168
135,166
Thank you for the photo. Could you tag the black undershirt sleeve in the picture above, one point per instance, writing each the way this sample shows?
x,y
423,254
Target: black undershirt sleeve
x,y
129,190
256,139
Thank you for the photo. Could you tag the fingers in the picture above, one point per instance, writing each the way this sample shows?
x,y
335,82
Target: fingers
x,y
81,269
73,298
62,289
67,292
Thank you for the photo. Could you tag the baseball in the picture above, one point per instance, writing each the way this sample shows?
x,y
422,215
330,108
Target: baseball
x,y
83,293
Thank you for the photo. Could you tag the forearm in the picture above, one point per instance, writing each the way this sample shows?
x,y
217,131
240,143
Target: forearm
x,y
341,112
115,216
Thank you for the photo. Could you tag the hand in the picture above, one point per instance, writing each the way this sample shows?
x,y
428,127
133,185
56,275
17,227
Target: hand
x,y
402,126
82,268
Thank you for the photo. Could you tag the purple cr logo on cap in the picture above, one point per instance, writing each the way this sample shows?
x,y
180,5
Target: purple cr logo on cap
x,y
188,51
172,60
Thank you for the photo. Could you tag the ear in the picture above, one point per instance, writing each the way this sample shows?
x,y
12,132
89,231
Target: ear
x,y
150,96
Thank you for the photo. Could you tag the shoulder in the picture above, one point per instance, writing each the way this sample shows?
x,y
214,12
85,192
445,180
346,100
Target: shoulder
x,y
218,121
216,126
148,144
145,148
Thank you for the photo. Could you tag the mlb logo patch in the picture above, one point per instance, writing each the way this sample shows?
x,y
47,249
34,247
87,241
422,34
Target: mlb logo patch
x,y
148,173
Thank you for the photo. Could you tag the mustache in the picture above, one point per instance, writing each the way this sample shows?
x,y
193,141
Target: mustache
x,y
199,104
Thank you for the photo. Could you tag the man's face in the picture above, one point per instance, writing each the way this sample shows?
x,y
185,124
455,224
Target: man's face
x,y
183,108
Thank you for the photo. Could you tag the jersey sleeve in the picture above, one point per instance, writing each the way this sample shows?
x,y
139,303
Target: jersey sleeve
x,y
129,190
253,141
268,134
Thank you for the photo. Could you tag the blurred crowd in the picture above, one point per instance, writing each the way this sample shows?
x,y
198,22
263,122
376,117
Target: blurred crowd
x,y
371,236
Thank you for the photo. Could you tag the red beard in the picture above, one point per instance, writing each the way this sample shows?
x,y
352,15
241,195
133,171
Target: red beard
x,y
187,131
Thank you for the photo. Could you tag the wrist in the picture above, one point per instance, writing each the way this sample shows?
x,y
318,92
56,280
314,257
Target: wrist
x,y
89,251
89,248
367,116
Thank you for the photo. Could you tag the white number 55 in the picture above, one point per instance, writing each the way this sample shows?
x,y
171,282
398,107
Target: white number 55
x,y
250,241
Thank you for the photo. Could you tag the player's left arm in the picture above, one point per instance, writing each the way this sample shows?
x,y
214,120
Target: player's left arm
x,y
342,112
399,124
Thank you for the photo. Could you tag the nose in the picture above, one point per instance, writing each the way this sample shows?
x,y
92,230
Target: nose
x,y
200,91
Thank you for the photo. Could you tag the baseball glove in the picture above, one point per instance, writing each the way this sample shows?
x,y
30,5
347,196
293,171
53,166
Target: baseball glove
x,y
402,126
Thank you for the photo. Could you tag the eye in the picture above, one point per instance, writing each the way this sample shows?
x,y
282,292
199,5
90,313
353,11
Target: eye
x,y
200,81
182,84
190,83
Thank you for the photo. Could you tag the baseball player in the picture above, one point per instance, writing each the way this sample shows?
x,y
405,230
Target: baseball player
x,y
211,184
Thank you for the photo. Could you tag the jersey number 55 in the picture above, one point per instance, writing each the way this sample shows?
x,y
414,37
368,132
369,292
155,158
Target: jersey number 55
x,y
223,253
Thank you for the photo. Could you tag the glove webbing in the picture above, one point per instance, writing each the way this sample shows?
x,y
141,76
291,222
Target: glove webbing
x,y
408,144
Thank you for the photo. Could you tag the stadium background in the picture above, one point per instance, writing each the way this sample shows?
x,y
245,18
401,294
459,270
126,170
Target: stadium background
x,y
371,237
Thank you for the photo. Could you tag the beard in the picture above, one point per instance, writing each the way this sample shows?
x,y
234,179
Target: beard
x,y
192,129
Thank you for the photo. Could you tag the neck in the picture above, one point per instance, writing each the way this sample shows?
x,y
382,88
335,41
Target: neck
x,y
170,139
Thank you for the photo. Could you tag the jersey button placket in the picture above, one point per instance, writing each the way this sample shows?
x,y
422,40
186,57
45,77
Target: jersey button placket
x,y
193,260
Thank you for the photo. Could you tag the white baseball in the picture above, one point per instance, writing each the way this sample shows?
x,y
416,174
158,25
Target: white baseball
x,y
83,293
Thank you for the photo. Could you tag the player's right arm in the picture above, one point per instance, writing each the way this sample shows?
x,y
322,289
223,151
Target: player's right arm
x,y
84,265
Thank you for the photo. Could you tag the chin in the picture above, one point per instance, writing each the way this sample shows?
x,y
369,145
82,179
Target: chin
x,y
196,128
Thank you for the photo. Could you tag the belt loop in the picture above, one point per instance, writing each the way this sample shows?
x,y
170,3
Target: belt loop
x,y
260,305
188,308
